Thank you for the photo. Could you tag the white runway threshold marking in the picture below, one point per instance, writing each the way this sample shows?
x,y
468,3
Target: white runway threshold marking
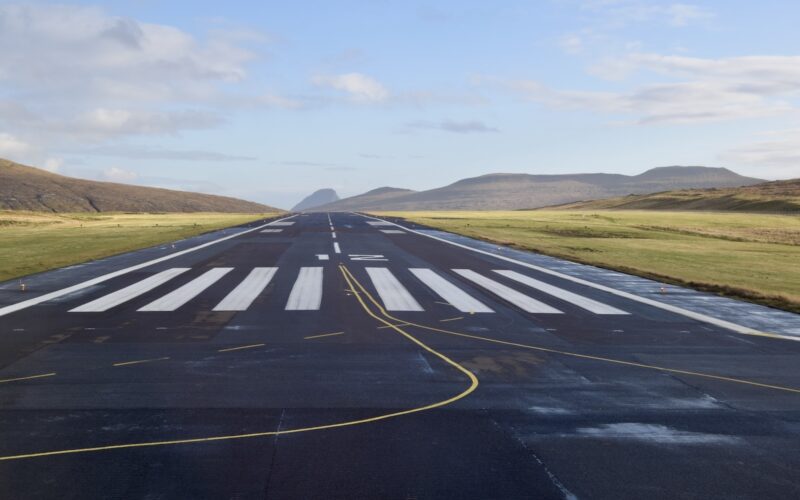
x,y
393,294
100,279
306,293
392,231
272,230
520,300
379,223
187,292
248,290
282,223
323,256
130,292
573,298
451,294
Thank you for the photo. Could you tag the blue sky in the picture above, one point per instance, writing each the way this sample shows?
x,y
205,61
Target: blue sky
x,y
272,100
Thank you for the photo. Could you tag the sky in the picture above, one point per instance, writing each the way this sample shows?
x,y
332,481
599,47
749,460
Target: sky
x,y
271,100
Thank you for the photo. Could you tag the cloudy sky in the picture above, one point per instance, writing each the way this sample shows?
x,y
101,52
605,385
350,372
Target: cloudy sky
x,y
271,100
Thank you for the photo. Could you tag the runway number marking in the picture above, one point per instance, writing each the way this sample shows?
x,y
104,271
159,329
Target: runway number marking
x,y
373,258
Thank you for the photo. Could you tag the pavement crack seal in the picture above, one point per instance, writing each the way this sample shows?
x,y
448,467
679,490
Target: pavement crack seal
x,y
588,356
352,282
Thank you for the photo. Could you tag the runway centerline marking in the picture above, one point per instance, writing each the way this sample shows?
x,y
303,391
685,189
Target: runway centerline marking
x,y
336,248
29,377
473,385
139,361
251,346
323,335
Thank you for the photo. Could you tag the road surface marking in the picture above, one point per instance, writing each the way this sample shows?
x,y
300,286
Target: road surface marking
x,y
451,319
644,300
568,353
336,248
573,298
283,223
248,290
306,293
334,235
323,335
272,230
473,385
100,279
187,292
520,300
390,326
452,295
392,231
138,362
130,292
252,346
31,377
379,223
375,258
394,295
323,256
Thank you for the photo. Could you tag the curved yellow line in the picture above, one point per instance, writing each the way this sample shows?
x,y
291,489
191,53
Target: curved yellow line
x,y
473,385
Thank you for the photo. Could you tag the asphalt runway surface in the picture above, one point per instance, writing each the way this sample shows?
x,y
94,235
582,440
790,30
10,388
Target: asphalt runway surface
x,y
339,356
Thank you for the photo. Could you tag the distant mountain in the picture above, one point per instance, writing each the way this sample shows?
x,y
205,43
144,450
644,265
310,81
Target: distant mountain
x,y
769,197
28,188
374,197
315,199
515,191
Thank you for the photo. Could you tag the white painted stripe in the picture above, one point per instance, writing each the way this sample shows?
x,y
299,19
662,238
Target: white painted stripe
x,y
451,294
573,298
272,230
306,293
100,279
323,256
728,325
334,235
187,292
130,292
282,223
248,290
336,248
379,223
520,300
392,231
393,294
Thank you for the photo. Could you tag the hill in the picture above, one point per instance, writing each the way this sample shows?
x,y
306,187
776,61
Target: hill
x,y
315,199
769,197
27,188
515,191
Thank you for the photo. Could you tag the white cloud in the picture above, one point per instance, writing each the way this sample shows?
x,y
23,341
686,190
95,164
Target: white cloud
x,y
619,13
12,146
457,127
699,89
116,174
779,152
360,87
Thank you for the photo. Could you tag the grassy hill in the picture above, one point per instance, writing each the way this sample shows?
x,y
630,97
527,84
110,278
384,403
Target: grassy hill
x,y
769,197
27,188
516,191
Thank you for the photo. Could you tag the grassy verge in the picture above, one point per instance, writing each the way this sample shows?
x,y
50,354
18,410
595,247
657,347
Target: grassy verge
x,y
31,242
750,256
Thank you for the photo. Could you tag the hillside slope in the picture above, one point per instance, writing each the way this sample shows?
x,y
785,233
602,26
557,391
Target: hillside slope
x,y
28,188
515,191
769,197
317,198
378,196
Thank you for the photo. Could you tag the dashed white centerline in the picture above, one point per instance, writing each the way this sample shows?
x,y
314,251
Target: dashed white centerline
x,y
336,248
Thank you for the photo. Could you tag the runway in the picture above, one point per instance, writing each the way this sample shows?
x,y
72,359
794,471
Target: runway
x,y
343,356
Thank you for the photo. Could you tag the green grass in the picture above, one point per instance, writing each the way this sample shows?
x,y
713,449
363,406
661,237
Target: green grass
x,y
751,256
31,242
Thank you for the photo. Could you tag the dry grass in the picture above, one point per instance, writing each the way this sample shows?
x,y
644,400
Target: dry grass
x,y
751,256
32,242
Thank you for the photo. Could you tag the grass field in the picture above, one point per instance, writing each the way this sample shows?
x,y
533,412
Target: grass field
x,y
31,242
750,256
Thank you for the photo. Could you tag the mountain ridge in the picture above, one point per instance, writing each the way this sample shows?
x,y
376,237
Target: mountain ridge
x,y
23,187
511,191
